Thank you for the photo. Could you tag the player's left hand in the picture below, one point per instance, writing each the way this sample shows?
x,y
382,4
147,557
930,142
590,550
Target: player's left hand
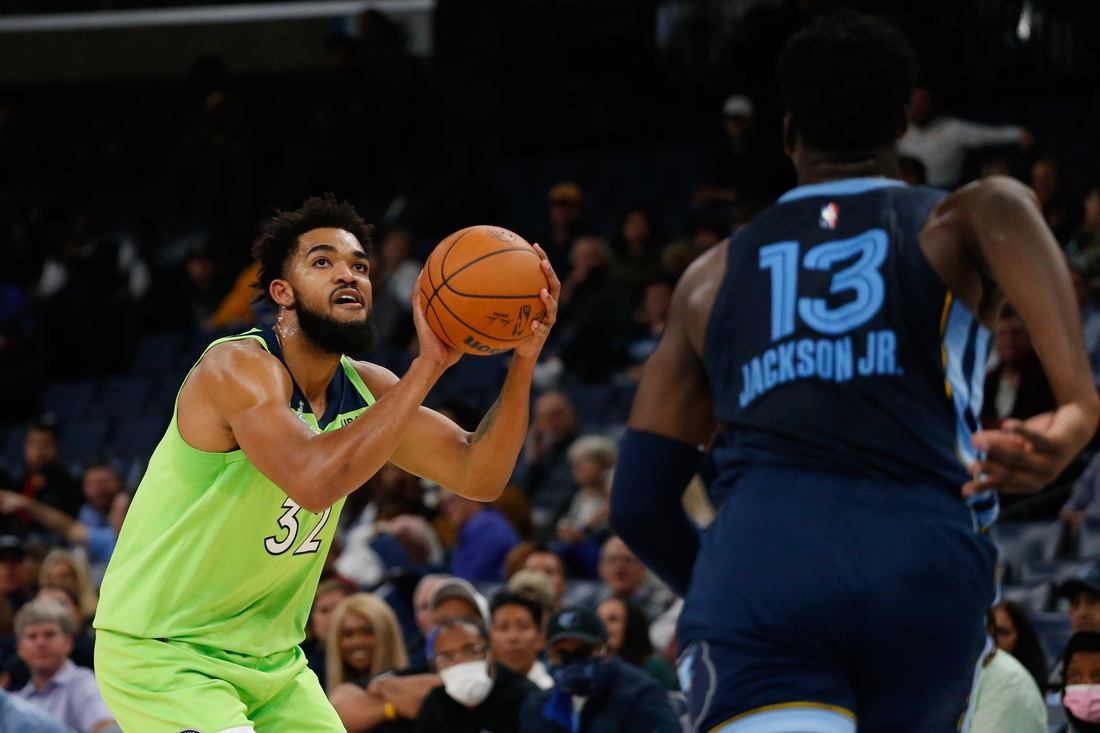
x,y
1022,457
531,346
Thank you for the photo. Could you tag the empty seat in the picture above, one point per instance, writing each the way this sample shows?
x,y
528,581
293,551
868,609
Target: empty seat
x,y
1088,539
156,354
1034,598
137,438
124,397
1056,571
68,400
82,443
1024,542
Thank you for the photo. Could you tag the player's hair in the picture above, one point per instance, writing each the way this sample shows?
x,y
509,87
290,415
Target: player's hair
x,y
279,240
84,589
846,81
389,652
43,610
508,598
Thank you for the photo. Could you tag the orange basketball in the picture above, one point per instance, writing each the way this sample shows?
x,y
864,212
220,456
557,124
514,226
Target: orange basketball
x,y
480,289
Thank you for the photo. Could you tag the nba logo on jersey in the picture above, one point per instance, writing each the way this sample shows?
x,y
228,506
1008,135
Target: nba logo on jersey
x,y
828,216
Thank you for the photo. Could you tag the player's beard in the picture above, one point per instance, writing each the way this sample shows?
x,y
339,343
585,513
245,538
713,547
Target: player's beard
x,y
336,337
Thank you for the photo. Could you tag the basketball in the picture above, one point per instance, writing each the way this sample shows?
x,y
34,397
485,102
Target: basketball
x,y
480,289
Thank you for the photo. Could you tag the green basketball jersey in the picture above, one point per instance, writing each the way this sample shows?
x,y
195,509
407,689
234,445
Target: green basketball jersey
x,y
214,553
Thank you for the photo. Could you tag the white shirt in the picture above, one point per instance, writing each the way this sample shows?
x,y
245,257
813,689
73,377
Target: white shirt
x,y
1007,700
540,676
942,145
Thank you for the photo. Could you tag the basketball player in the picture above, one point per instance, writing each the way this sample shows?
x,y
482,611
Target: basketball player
x,y
839,342
207,594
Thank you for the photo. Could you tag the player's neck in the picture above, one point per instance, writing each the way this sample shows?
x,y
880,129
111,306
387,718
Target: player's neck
x,y
814,166
311,366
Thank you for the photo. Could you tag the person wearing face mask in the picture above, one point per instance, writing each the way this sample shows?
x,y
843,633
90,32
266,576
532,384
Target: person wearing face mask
x,y
594,692
1081,692
478,695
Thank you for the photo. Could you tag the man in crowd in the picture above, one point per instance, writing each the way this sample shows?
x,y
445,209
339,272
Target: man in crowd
x,y
485,538
1083,593
544,560
625,577
1017,387
942,142
44,479
478,694
13,580
565,204
19,716
516,637
594,692
44,632
544,470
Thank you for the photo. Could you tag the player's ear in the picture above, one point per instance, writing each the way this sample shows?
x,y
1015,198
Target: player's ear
x,y
281,293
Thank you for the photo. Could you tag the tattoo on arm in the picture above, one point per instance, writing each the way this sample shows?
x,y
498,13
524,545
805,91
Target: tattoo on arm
x,y
486,422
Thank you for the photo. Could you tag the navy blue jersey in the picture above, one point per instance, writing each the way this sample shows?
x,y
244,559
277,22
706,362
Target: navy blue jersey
x,y
833,345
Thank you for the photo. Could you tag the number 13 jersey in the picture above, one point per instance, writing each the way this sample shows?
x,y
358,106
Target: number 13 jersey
x,y
833,345
212,552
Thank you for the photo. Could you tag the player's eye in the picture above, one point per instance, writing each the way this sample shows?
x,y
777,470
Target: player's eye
x,y
321,261
361,266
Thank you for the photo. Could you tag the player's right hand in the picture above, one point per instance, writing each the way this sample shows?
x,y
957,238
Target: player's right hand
x,y
1022,457
432,347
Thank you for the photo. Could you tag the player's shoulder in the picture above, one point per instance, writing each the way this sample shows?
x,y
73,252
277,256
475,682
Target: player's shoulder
x,y
239,362
992,193
378,379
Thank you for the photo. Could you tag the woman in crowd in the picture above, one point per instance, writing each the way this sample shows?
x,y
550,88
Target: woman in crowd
x,y
364,640
68,569
637,249
329,593
628,639
1012,631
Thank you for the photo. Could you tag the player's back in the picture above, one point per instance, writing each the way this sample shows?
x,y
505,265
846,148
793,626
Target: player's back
x,y
833,345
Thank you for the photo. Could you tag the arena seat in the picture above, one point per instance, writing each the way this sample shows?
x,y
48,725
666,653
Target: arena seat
x,y
156,354
68,400
82,443
1024,542
137,438
1055,571
591,401
584,593
622,402
1053,630
124,397
1088,539
1034,597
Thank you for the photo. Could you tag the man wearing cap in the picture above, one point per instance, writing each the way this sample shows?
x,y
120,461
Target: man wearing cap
x,y
594,692
1083,593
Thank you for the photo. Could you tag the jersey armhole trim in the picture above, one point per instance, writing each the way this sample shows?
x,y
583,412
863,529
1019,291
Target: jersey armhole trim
x,y
357,380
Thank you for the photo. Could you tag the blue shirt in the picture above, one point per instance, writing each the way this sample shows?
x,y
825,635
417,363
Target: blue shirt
x,y
17,716
483,543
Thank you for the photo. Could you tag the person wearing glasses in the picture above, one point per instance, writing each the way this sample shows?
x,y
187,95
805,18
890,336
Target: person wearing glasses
x,y
478,695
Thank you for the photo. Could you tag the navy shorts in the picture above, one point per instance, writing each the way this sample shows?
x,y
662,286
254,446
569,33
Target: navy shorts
x,y
818,601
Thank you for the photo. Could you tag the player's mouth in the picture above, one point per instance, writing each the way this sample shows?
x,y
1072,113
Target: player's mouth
x,y
348,299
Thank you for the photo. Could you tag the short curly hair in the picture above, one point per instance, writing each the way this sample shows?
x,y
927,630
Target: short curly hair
x,y
846,81
279,240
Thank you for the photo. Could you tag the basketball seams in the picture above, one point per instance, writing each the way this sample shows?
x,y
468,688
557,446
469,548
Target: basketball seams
x,y
434,312
478,332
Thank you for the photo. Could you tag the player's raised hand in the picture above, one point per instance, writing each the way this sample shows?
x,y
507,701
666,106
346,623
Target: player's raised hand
x,y
531,346
1024,456
431,346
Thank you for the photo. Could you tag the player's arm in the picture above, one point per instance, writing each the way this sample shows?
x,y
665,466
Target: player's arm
x,y
478,465
989,238
672,416
53,519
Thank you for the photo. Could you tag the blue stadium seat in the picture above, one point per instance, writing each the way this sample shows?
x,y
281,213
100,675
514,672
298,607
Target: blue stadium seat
x,y
1035,598
82,443
1024,542
622,402
1053,630
124,397
1088,539
68,400
136,438
156,354
584,593
162,400
1056,571
591,401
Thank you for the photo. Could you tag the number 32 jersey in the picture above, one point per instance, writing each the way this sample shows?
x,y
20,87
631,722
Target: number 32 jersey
x,y
833,345
212,552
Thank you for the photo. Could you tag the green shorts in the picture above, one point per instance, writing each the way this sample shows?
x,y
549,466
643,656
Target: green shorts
x,y
155,686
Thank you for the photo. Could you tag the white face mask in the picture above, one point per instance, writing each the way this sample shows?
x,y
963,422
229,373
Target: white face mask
x,y
468,683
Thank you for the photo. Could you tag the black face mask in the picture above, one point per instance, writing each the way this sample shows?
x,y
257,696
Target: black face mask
x,y
333,336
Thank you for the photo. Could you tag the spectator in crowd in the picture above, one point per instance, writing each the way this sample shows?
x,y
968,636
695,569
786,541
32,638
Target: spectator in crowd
x,y
1081,690
1007,699
637,249
478,694
516,637
1012,632
544,560
43,479
364,640
626,577
566,211
1082,275
641,340
19,716
484,539
537,587
422,600
83,653
1017,388
941,142
594,692
329,594
1083,593
912,171
1061,207
628,639
13,581
456,598
97,541
996,167
393,275
1086,242
44,632
543,469
67,568
99,485
584,526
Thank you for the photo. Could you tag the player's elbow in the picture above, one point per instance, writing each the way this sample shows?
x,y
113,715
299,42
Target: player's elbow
x,y
309,496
